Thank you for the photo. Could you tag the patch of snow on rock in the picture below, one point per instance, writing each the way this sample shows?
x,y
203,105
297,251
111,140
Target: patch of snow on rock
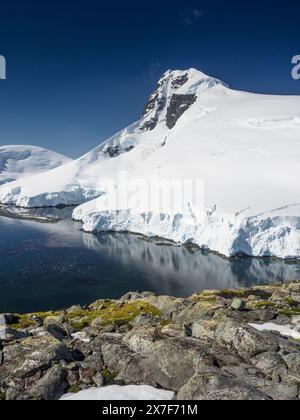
x,y
285,330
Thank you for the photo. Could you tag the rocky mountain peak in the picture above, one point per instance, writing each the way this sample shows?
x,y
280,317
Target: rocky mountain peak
x,y
175,93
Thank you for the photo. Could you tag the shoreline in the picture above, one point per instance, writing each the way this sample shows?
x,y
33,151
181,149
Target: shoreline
x,y
159,241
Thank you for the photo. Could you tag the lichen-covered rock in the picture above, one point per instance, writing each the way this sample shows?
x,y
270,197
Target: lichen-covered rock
x,y
238,305
52,385
24,359
201,347
282,391
204,329
213,384
54,320
272,365
243,339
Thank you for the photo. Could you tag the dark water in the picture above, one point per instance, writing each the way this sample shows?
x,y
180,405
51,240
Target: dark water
x,y
55,265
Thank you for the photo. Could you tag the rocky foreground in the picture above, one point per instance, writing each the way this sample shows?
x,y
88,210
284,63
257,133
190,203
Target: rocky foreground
x,y
202,347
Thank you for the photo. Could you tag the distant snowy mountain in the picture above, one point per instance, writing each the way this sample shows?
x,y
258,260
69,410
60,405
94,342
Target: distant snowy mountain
x,y
245,147
21,161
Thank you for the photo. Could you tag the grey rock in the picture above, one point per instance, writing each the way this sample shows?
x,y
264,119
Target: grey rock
x,y
52,386
22,360
296,297
238,305
16,394
12,335
245,340
99,380
204,329
87,374
282,391
272,365
214,385
93,361
56,331
116,356
73,377
54,320
293,362
11,318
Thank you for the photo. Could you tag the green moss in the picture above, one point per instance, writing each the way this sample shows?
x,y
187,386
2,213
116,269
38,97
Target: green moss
x,y
111,312
290,312
232,294
27,321
243,293
209,296
2,396
108,376
165,323
208,299
74,389
207,293
263,304
292,302
23,323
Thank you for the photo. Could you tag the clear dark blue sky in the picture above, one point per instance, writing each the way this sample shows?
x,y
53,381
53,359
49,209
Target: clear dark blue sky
x,y
80,70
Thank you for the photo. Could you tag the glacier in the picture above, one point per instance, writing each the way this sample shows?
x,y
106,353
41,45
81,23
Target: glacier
x,y
245,147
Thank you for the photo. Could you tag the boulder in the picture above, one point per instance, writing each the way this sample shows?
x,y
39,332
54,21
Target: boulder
x,y
23,360
272,365
238,305
204,330
244,340
214,385
52,385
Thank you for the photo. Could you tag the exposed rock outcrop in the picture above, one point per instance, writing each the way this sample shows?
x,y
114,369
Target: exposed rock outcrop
x,y
202,347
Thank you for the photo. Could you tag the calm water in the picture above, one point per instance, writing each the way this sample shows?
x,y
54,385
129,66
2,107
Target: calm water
x,y
55,265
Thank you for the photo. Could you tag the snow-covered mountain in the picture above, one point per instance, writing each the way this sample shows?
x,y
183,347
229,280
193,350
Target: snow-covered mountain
x,y
245,147
22,161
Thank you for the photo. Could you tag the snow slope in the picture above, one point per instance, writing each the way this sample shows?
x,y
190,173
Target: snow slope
x,y
21,161
244,147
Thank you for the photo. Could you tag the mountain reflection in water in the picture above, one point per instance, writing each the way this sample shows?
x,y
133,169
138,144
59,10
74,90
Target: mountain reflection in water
x,y
55,265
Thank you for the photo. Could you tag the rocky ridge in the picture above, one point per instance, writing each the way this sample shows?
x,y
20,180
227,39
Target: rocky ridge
x,y
204,347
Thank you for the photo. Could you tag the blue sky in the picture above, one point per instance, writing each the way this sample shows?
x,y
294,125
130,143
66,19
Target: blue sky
x,y
78,71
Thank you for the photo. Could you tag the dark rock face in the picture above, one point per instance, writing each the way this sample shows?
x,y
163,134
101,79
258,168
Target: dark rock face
x,y
180,81
152,102
158,101
155,100
129,148
178,106
112,151
202,347
115,151
149,125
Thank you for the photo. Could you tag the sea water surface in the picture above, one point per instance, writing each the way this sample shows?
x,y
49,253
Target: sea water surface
x,y
51,264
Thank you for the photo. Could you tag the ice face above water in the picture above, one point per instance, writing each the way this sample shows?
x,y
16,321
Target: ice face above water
x,y
245,147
